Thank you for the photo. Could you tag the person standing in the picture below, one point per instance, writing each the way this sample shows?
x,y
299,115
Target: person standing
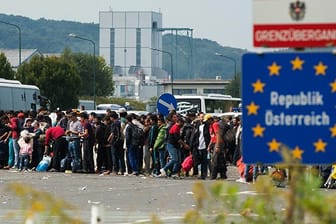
x,y
117,140
194,145
159,148
101,143
132,149
88,141
92,119
140,122
173,146
200,141
37,146
5,133
152,135
14,148
219,156
73,138
106,154
187,131
123,123
62,119
26,151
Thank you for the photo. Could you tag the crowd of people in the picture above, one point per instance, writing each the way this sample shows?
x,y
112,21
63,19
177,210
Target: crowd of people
x,y
118,143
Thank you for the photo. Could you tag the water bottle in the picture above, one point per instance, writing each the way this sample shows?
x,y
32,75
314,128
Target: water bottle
x,y
42,166
209,156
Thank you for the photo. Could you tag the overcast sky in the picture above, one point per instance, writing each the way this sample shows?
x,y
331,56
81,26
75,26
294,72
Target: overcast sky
x,y
228,22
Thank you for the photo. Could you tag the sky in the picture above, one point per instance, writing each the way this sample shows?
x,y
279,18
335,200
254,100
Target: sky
x,y
228,22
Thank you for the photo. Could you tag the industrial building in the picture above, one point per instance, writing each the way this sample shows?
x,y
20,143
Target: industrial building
x,y
126,42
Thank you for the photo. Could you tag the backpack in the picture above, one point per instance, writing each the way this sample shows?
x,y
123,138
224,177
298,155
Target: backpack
x,y
224,129
118,138
138,135
230,136
188,163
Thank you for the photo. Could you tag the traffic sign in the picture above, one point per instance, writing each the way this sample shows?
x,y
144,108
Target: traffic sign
x,y
166,103
294,23
289,100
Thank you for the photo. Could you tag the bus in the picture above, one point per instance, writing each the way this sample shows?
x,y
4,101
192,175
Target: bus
x,y
16,96
211,103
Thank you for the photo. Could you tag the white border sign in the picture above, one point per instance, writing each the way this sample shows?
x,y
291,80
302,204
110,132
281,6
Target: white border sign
x,y
294,23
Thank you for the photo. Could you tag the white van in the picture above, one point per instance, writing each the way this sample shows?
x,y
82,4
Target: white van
x,y
17,96
114,107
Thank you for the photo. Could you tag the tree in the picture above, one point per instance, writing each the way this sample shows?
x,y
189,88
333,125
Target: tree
x,y
233,88
57,79
6,70
104,81
84,66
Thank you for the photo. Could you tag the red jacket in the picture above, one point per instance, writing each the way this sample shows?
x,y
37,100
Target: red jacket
x,y
14,126
53,133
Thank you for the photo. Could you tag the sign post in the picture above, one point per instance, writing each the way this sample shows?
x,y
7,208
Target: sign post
x,y
166,103
289,99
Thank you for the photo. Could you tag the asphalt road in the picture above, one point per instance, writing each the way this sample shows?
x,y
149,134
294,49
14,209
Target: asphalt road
x,y
123,199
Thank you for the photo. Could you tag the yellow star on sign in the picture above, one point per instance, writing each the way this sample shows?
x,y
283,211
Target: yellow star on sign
x,y
297,153
333,131
320,69
297,63
273,145
333,86
252,108
274,69
258,86
258,131
320,146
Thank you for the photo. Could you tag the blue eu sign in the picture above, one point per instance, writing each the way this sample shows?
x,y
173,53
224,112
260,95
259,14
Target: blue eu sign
x,y
166,103
289,102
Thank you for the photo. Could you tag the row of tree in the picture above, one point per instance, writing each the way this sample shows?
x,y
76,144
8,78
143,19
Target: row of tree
x,y
63,79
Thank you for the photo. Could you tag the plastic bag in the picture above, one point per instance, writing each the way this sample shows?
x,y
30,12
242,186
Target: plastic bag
x,y
43,164
187,163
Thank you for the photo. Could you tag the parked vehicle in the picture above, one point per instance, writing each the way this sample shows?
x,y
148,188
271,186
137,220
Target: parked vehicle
x,y
86,104
114,107
17,96
211,103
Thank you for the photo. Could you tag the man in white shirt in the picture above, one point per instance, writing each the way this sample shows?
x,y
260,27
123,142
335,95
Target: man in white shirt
x,y
72,135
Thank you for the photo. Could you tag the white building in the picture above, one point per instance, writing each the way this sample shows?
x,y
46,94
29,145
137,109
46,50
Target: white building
x,y
12,56
126,43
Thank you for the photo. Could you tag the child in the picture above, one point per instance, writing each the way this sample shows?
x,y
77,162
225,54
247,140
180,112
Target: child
x,y
26,151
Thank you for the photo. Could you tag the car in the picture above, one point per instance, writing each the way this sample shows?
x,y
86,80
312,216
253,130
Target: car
x,y
105,107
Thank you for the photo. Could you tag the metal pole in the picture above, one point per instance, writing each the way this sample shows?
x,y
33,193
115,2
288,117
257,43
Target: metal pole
x,y
232,59
94,75
19,30
93,64
171,67
172,71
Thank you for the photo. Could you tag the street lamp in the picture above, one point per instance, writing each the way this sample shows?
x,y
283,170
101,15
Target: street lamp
x,y
19,30
171,67
93,64
232,59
